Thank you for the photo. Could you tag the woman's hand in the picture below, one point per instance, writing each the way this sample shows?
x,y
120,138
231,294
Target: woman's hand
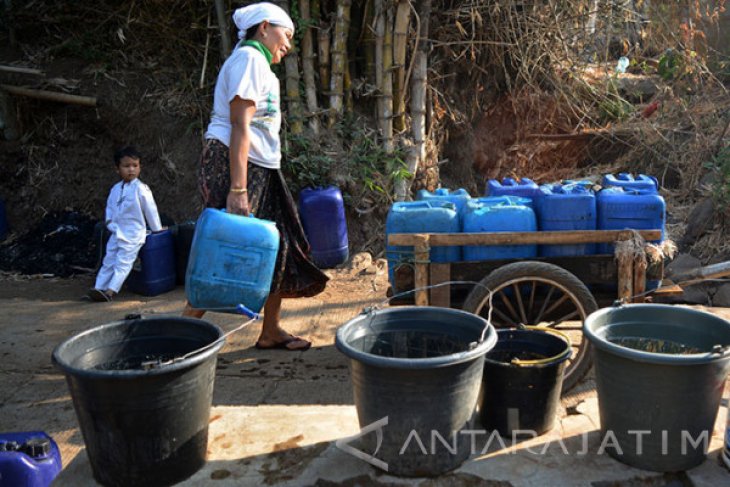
x,y
237,204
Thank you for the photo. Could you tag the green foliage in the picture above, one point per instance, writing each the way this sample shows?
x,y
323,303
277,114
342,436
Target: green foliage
x,y
720,164
670,65
307,163
371,172
612,106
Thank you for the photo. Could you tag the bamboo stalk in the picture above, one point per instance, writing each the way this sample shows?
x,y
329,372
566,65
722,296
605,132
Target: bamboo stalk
x,y
379,13
220,11
386,122
339,56
293,96
50,95
205,53
323,48
310,89
400,44
419,82
368,42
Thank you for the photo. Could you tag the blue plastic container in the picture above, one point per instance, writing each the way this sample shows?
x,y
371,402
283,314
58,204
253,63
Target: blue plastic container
x,y
625,180
566,207
156,275
498,214
323,217
458,197
420,217
3,221
526,188
619,209
28,459
231,262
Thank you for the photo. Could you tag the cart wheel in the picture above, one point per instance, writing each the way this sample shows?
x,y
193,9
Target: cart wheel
x,y
539,294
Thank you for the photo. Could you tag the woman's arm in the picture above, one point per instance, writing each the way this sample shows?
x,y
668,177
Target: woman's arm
x,y
242,112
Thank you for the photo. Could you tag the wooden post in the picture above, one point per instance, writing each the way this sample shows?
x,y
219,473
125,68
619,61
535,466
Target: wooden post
x,y
440,296
639,278
625,272
421,254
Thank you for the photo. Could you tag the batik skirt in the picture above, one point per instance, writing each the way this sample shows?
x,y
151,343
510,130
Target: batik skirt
x,y
295,275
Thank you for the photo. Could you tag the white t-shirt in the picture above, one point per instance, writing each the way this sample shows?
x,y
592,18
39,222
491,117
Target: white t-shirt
x,y
246,74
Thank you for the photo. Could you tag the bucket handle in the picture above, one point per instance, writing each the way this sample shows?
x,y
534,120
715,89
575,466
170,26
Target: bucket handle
x,y
240,308
370,310
543,361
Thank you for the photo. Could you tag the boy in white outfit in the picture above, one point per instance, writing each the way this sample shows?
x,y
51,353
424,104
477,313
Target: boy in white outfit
x,y
130,203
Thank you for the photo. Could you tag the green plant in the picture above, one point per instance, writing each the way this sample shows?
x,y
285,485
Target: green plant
x,y
378,169
306,164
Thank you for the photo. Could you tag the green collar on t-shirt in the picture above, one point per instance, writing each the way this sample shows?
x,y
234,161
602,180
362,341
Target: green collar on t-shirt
x,y
259,47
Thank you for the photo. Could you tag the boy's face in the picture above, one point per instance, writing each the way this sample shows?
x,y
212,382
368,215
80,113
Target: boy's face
x,y
129,168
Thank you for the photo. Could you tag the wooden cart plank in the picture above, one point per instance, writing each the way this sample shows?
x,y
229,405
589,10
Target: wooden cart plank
x,y
519,238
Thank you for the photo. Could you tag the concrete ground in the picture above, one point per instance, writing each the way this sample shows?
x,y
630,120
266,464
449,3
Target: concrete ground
x,y
276,415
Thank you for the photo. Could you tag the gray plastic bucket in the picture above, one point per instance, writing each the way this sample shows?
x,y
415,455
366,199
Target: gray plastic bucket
x,y
416,372
659,407
142,426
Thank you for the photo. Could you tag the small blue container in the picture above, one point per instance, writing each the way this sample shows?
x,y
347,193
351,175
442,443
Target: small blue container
x,y
157,272
525,188
498,214
458,197
323,218
625,180
619,209
231,262
420,217
3,221
566,207
28,459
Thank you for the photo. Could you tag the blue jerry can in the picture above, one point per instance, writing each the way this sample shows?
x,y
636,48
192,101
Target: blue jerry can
x,y
28,459
156,271
323,217
498,214
231,262
564,207
420,217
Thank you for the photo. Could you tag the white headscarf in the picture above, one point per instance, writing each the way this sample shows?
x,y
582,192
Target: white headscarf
x,y
247,17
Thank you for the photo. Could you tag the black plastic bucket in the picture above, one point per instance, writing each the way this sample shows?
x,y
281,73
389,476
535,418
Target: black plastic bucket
x,y
523,378
416,371
142,427
660,373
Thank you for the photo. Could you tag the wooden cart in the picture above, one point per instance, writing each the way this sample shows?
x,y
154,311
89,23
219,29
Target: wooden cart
x,y
557,292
